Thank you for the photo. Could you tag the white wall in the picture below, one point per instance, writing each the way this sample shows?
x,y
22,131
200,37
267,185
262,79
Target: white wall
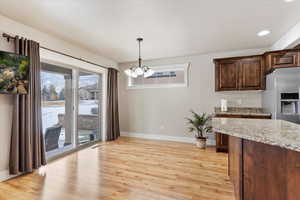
x,y
12,27
161,112
15,28
289,39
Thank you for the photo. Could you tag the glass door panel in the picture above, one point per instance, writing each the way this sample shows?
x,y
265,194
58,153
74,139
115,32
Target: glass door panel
x,y
89,107
57,105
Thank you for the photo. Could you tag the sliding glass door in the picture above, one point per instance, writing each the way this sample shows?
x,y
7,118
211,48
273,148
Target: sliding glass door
x,y
57,105
89,107
71,107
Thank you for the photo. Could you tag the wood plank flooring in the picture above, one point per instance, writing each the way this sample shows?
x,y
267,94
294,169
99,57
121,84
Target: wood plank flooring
x,y
128,169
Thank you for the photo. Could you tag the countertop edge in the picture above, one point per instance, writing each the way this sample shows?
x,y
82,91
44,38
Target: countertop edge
x,y
244,114
259,140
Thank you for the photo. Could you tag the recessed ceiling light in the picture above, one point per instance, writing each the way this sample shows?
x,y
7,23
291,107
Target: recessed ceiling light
x,y
263,33
288,1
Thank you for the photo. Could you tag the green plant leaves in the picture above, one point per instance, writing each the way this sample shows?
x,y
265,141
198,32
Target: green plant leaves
x,y
199,123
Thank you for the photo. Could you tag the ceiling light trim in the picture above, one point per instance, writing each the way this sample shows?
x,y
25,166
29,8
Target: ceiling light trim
x,y
263,33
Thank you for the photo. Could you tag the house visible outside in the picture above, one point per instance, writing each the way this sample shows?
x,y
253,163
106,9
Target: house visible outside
x,y
56,98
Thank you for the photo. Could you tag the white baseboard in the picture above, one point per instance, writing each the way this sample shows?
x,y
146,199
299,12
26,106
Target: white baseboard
x,y
4,175
210,142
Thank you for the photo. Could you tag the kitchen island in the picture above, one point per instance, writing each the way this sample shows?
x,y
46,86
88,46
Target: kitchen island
x,y
222,140
263,159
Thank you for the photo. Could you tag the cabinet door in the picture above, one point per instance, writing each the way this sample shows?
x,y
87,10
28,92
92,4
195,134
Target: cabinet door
x,y
293,175
283,59
264,169
235,166
221,142
226,75
252,74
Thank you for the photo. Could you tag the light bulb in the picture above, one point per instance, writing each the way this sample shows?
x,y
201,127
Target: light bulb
x,y
149,73
139,71
128,72
134,75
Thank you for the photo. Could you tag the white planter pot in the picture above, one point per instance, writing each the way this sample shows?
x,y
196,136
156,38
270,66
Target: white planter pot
x,y
201,143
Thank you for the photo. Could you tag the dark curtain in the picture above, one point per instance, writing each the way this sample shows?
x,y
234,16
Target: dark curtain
x,y
27,150
113,128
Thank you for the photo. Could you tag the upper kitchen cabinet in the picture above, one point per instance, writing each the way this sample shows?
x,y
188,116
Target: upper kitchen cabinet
x,y
251,73
297,47
241,73
282,59
226,75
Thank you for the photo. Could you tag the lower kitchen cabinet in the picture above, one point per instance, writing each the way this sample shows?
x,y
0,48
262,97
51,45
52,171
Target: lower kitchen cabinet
x,y
221,142
263,172
222,139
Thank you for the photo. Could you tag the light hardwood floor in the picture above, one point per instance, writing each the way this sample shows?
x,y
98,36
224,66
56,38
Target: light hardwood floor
x,y
128,169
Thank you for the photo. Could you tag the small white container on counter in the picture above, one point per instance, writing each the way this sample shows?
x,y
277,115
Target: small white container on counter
x,y
224,105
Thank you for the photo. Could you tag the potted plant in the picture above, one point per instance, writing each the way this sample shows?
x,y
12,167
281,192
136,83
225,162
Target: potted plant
x,y
200,124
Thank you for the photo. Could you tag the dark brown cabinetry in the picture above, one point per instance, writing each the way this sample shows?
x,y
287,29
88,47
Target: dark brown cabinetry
x,y
282,59
235,166
297,47
248,72
222,139
243,73
227,75
262,171
221,142
251,74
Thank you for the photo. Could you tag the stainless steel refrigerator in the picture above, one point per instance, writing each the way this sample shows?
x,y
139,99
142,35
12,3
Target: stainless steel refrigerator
x,y
281,96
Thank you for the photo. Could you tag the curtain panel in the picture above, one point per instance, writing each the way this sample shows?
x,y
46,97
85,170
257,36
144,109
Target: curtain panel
x,y
113,128
27,150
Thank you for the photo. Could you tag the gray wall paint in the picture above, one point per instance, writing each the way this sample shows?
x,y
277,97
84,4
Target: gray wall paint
x,y
162,111
6,108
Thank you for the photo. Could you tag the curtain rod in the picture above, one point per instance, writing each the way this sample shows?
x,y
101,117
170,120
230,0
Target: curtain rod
x,y
9,37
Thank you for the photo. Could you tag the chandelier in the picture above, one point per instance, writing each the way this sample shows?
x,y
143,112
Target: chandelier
x,y
139,70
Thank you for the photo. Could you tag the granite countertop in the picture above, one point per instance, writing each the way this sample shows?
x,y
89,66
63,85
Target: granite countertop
x,y
274,132
243,111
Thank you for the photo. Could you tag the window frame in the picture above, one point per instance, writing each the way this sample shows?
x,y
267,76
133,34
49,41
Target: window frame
x,y
164,68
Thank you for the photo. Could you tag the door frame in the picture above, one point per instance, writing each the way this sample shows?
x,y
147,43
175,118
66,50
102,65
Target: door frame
x,y
101,120
76,65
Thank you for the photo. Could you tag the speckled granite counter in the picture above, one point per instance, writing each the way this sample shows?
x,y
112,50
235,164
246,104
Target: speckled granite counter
x,y
242,111
274,132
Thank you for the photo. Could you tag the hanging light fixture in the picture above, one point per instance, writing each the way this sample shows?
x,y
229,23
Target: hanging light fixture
x,y
139,70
